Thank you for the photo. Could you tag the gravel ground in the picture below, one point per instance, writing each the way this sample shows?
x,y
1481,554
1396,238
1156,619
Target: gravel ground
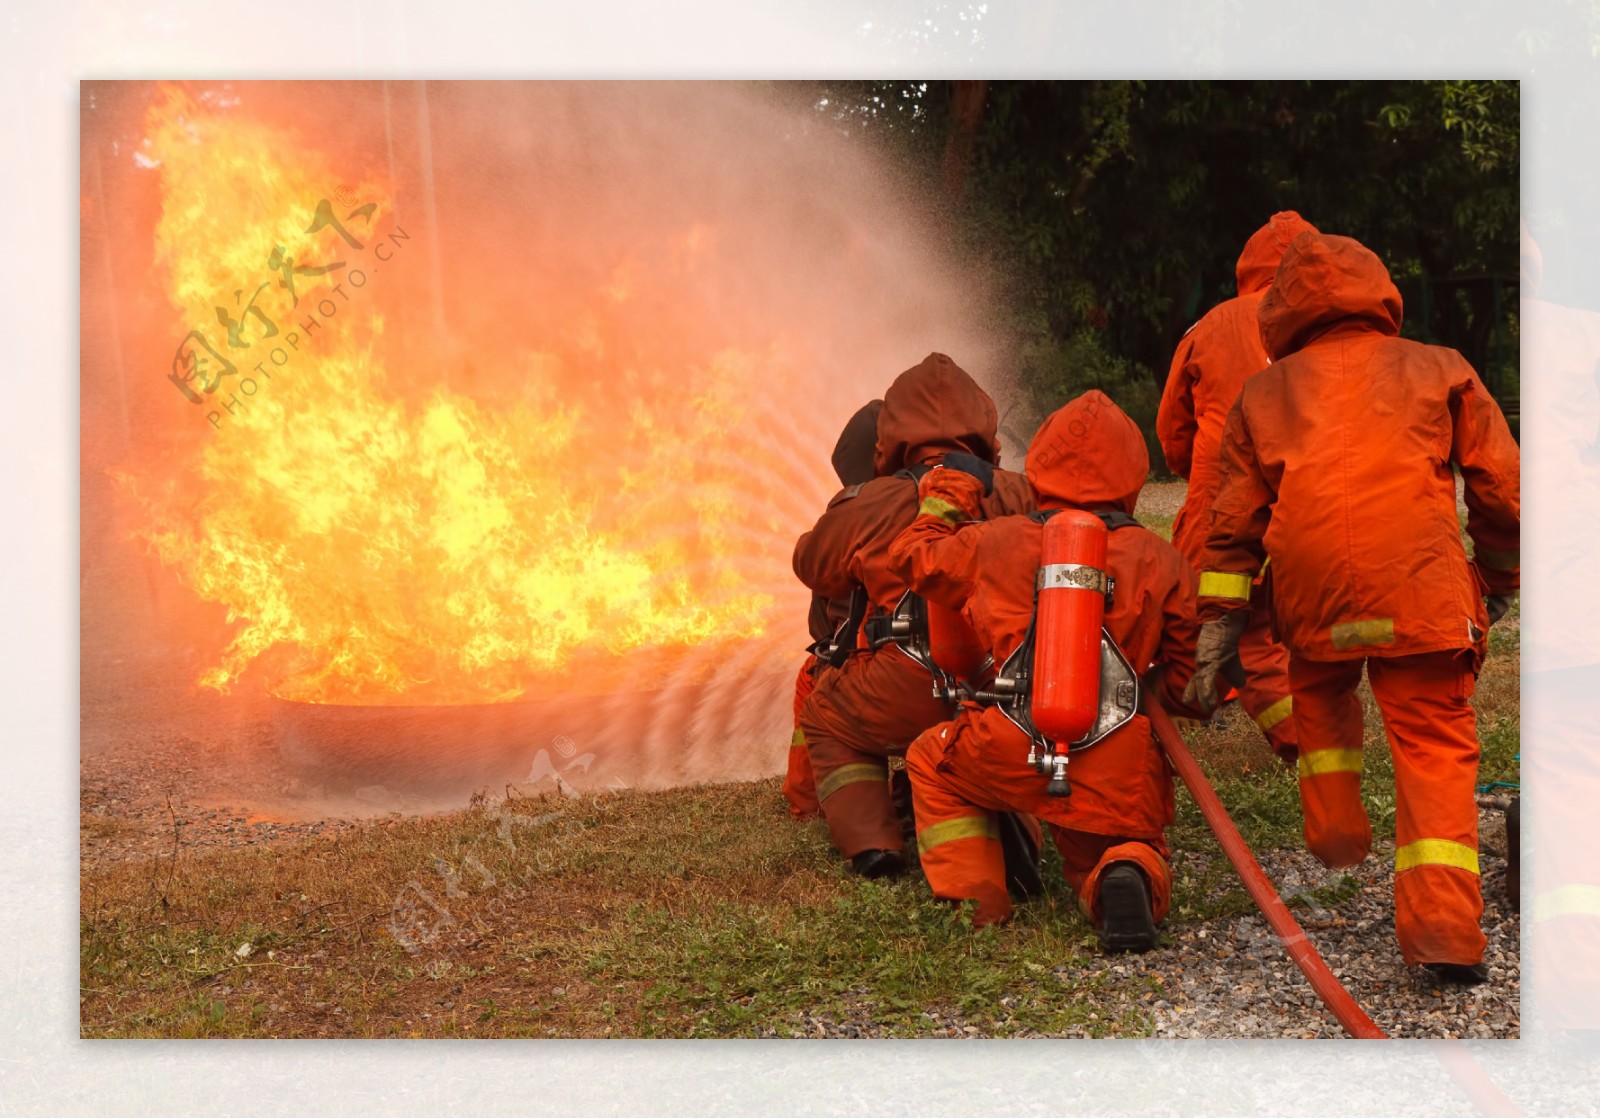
x,y
1230,978
175,791
1162,499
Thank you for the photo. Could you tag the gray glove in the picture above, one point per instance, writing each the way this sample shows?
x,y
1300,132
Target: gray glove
x,y
1218,644
1497,605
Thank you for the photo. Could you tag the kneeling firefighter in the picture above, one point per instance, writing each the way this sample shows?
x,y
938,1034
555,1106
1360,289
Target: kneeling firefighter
x,y
884,690
853,457
1075,603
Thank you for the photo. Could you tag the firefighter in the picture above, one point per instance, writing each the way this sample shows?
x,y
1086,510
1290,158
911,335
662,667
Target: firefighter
x,y
871,707
853,457
1336,464
1211,365
1110,829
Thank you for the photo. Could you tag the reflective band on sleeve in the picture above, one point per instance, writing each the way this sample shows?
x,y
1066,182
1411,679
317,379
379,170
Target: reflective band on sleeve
x,y
1436,852
1576,899
1498,561
938,507
1375,631
1315,763
850,775
1224,584
1276,714
962,827
799,738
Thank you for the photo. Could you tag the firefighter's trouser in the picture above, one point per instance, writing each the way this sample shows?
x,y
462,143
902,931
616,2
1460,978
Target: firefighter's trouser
x,y
966,771
1424,700
799,786
860,715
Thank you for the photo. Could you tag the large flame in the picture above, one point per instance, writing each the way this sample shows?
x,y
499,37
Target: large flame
x,y
381,537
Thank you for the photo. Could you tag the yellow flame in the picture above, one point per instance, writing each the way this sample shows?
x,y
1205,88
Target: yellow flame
x,y
405,542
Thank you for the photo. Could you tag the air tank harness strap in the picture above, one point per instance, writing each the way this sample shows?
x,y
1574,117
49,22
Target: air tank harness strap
x,y
843,642
879,628
1113,519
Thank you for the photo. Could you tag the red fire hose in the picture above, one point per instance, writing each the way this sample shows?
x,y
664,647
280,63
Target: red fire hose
x,y
1483,1092
1300,949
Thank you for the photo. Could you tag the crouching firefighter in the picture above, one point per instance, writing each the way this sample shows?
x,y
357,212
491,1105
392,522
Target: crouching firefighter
x,y
870,706
1075,603
833,622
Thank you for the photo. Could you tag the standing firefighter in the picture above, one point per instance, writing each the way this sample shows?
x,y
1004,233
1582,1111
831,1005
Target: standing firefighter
x,y
872,706
1216,357
1110,827
1336,464
853,457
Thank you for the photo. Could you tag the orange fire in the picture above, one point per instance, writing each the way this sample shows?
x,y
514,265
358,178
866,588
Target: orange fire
x,y
396,524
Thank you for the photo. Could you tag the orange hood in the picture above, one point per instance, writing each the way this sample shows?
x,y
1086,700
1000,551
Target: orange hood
x,y
1325,282
932,408
1263,252
1088,455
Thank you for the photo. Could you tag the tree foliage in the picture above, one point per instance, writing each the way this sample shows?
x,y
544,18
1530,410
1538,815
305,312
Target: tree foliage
x,y
1116,210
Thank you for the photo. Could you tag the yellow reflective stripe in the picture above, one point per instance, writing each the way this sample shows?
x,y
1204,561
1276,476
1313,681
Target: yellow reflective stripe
x,y
1576,899
850,775
938,507
1276,714
1315,763
799,738
1499,561
962,827
1224,584
1375,631
1436,852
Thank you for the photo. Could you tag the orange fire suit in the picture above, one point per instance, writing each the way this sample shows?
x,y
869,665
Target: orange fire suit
x,y
1211,365
870,709
853,460
1336,464
1088,455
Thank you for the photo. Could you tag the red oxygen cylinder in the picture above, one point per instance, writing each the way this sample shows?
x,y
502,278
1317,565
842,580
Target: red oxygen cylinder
x,y
1066,651
954,645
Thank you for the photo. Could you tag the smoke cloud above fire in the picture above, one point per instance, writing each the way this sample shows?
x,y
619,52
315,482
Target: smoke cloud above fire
x,y
463,393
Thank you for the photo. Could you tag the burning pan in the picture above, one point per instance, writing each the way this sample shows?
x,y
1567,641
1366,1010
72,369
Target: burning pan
x,y
717,730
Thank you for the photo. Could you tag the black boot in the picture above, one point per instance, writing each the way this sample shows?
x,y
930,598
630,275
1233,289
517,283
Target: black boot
x,y
1458,975
1023,879
878,864
1126,921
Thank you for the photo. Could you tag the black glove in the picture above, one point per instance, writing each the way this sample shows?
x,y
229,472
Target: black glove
x,y
973,465
1497,605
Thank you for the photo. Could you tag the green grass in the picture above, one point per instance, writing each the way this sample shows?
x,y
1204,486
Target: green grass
x,y
693,912
888,957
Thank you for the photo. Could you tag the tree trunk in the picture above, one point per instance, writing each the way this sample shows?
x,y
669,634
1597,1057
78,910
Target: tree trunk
x,y
966,112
